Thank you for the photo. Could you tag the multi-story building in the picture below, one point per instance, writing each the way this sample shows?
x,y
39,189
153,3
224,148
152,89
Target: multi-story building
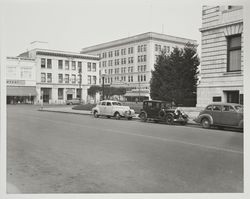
x,y
128,62
62,75
20,80
221,55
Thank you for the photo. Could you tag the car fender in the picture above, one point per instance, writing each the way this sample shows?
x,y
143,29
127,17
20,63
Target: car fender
x,y
143,112
169,113
201,117
241,124
95,109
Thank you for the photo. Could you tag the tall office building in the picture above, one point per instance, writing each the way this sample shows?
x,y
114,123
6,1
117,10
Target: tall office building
x,y
128,62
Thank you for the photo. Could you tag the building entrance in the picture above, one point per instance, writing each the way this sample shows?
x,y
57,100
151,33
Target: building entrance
x,y
46,94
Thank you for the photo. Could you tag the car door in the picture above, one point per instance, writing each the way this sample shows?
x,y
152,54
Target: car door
x,y
229,116
216,114
109,108
102,107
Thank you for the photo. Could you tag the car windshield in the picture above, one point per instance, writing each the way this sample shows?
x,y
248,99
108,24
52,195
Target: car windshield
x,y
116,103
238,108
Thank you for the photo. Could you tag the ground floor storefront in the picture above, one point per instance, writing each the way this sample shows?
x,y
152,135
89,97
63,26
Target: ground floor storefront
x,y
21,94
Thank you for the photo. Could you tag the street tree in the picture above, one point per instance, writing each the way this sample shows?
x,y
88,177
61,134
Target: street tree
x,y
175,76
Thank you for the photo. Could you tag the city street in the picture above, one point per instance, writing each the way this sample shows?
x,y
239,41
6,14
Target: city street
x,y
68,153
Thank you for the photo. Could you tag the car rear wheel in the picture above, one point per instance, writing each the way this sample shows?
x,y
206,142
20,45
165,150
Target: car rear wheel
x,y
169,119
117,116
96,114
205,123
143,117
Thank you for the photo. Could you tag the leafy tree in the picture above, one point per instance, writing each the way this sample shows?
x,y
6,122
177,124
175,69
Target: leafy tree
x,y
175,76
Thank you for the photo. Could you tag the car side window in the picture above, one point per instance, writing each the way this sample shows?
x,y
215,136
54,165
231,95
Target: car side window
x,y
209,108
108,103
158,105
216,108
103,103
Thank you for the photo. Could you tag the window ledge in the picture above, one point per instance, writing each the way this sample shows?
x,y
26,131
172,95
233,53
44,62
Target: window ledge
x,y
233,73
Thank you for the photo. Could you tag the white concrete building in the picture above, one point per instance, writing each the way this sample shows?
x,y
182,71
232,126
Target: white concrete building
x,y
63,75
20,80
128,62
222,64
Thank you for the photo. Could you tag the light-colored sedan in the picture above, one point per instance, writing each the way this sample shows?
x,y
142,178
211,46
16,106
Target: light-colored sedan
x,y
112,108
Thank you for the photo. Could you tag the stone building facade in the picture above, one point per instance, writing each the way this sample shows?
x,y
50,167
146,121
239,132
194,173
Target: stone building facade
x,y
222,65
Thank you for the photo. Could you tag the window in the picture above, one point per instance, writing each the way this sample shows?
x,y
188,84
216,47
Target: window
x,y
73,65
26,73
217,99
216,108
228,108
73,78
60,78
49,63
60,64
79,66
89,79
209,108
49,77
94,67
66,78
89,66
234,53
66,65
43,63
60,93
94,79
43,77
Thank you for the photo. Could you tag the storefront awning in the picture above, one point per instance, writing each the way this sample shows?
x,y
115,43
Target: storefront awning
x,y
21,91
136,94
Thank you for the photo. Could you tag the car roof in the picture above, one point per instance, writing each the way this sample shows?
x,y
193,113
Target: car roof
x,y
221,103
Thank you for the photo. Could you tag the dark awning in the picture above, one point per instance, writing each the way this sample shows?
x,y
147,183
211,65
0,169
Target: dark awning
x,y
136,94
21,91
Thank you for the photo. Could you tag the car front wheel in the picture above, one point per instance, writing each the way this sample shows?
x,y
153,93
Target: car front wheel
x,y
96,114
169,119
117,116
143,117
205,123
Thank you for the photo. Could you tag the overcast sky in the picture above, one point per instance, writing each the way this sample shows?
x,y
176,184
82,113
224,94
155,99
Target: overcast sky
x,y
73,24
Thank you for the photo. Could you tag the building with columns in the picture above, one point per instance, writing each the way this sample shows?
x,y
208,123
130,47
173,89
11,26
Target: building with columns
x,y
128,62
222,48
59,76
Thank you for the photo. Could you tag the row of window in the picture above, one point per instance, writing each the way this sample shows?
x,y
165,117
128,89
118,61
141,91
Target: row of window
x,y
130,78
130,69
47,63
123,51
47,77
159,48
141,58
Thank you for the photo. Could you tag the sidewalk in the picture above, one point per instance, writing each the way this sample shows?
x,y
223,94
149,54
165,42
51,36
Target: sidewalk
x,y
191,111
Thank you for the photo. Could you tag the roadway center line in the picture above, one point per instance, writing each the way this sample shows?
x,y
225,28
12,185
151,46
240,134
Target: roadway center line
x,y
140,135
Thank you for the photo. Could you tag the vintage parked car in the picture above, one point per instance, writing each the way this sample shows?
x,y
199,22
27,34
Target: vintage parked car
x,y
161,111
221,115
73,101
112,108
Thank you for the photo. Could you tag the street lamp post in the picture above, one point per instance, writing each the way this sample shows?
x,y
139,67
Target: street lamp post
x,y
103,78
139,89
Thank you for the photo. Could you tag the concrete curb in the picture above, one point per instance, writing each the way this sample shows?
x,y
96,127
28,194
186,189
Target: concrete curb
x,y
190,122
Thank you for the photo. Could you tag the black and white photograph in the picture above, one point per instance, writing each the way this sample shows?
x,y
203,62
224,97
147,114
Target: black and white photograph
x,y
123,99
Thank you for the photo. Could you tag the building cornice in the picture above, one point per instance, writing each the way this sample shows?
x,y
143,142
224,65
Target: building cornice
x,y
221,25
138,38
67,55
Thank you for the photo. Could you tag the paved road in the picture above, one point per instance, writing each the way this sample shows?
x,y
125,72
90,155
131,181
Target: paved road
x,y
63,153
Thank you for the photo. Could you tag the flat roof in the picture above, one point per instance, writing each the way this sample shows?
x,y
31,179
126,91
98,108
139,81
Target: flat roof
x,y
138,38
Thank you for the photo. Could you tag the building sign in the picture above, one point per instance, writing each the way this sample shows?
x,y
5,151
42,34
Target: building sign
x,y
15,82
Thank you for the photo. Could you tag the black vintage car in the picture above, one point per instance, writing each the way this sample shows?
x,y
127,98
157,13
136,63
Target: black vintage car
x,y
161,111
